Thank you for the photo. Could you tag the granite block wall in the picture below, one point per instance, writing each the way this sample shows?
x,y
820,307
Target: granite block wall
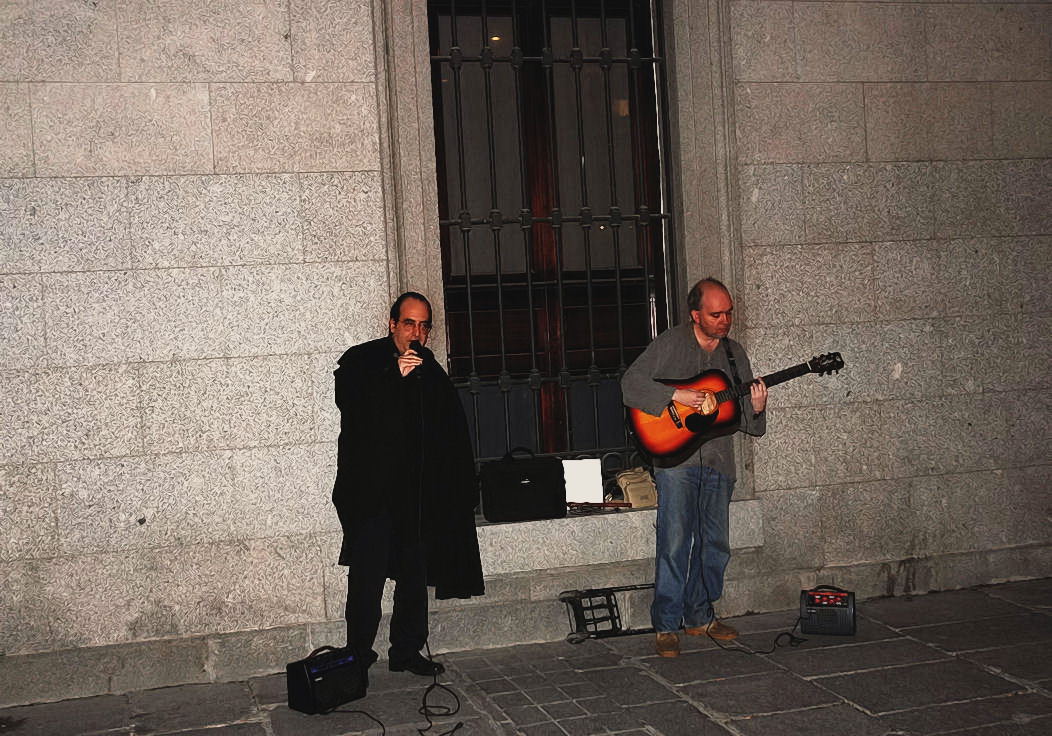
x,y
895,196
192,229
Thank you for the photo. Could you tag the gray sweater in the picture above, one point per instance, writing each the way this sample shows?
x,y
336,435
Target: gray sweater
x,y
676,354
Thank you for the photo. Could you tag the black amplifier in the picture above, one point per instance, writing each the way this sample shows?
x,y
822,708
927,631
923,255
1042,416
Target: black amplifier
x,y
827,610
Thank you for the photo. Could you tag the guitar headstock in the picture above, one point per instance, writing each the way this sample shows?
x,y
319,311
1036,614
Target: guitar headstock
x,y
826,363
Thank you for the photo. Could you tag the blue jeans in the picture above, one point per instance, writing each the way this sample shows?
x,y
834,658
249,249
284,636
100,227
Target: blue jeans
x,y
693,545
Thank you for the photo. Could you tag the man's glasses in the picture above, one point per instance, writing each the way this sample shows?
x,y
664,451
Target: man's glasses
x,y
411,323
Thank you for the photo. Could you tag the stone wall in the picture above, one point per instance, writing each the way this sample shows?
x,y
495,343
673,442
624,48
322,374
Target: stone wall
x,y
203,202
192,228
896,205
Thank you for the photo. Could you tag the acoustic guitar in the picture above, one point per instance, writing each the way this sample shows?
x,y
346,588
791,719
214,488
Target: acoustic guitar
x,y
680,427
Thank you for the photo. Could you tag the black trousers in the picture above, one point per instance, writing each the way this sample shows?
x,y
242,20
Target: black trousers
x,y
378,548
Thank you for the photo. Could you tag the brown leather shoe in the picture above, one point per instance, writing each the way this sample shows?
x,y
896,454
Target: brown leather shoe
x,y
716,629
667,644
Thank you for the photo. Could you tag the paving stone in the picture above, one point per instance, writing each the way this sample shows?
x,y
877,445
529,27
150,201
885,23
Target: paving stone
x,y
628,686
234,729
500,685
558,711
543,729
508,700
776,621
755,694
585,726
1015,708
985,633
533,680
712,665
102,713
865,630
596,660
1035,728
348,719
935,608
834,719
578,690
191,706
881,691
599,705
834,660
542,695
1026,661
1035,593
269,690
675,719
524,715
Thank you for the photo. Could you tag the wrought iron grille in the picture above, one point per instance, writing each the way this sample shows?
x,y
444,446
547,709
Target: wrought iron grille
x,y
549,126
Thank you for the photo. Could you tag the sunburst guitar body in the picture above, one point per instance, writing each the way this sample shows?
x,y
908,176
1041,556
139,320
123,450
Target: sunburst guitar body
x,y
680,428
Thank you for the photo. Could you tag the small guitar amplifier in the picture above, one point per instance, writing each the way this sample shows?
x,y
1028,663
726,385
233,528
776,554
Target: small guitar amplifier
x,y
827,610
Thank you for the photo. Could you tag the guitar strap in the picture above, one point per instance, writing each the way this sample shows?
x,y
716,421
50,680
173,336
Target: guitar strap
x,y
734,366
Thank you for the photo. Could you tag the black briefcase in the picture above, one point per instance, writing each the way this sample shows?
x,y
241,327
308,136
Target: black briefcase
x,y
523,488
326,679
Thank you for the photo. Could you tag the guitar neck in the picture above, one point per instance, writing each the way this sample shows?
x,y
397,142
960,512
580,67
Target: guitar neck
x,y
771,379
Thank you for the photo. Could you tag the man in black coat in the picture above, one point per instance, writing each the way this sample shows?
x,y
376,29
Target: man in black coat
x,y
405,487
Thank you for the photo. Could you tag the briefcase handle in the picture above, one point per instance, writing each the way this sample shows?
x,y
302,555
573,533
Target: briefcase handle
x,y
509,456
319,650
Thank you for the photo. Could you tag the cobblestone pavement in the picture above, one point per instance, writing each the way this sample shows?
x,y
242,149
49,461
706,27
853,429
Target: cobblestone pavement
x,y
975,662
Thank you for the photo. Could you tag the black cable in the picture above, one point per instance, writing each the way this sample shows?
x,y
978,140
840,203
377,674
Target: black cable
x,y
428,711
374,719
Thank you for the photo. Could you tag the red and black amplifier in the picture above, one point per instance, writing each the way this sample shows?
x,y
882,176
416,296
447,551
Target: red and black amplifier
x,y
827,610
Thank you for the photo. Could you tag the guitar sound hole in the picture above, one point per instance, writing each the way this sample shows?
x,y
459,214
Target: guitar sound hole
x,y
695,422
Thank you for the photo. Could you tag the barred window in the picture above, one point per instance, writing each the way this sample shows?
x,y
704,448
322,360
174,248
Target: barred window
x,y
555,224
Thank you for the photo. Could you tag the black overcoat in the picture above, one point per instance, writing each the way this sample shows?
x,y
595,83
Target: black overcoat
x,y
371,461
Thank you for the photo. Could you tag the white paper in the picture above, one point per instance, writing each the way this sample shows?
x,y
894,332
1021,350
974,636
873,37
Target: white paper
x,y
584,480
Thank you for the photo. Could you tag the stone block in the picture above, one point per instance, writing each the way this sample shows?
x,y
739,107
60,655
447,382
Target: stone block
x,y
871,522
62,224
304,308
208,404
113,129
833,718
59,675
925,279
204,41
180,314
537,545
22,321
1025,661
793,527
213,220
909,122
27,512
332,42
343,216
762,43
327,414
1023,627
1036,355
299,127
472,628
964,346
196,589
880,360
999,565
773,349
935,436
60,42
936,608
867,202
245,654
859,41
548,584
988,42
135,503
974,198
771,201
1033,264
849,444
1022,119
795,285
800,123
784,458
1020,708
103,714
149,664
16,157
66,414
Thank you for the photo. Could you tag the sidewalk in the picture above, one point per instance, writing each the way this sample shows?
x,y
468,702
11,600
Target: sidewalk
x,y
975,662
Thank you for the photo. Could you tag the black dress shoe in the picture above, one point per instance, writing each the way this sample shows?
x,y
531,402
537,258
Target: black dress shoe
x,y
418,665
